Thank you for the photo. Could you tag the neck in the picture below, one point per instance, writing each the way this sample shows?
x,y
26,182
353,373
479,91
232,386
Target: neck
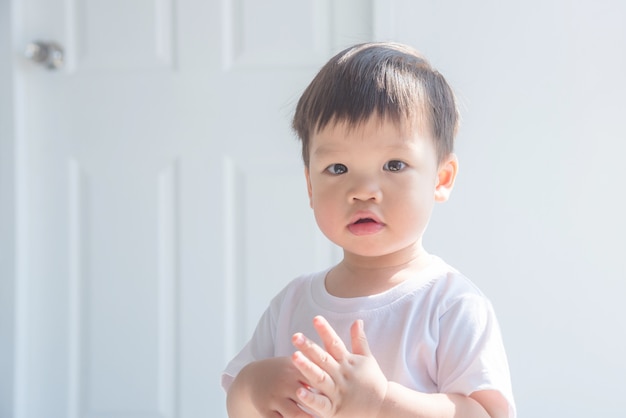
x,y
365,276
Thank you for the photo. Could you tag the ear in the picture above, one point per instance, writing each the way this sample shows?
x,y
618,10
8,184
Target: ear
x,y
446,175
307,175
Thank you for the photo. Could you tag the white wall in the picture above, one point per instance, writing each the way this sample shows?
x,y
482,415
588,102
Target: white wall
x,y
537,218
6,214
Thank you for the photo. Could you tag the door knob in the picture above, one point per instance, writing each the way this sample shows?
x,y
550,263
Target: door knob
x,y
48,54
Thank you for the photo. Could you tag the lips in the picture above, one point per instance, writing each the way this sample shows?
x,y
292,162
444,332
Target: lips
x,y
365,224
364,216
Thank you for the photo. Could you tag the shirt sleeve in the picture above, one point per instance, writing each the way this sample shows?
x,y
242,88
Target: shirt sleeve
x,y
260,346
470,354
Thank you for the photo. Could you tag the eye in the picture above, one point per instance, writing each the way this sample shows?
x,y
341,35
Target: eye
x,y
394,165
337,169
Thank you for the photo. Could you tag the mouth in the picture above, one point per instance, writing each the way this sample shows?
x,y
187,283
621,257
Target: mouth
x,y
364,221
364,217
365,225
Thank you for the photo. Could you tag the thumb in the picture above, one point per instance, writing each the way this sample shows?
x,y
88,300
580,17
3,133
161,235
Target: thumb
x,y
359,340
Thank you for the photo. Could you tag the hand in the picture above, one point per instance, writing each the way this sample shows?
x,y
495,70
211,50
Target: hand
x,y
268,387
340,383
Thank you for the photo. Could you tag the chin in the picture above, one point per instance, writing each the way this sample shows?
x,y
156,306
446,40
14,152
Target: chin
x,y
369,251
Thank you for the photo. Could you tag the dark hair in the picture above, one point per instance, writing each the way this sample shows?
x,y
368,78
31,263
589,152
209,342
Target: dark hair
x,y
387,79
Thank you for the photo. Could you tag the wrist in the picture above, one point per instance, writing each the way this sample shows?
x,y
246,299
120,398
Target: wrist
x,y
383,405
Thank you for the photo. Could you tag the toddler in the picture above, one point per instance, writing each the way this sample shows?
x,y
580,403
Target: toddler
x,y
391,330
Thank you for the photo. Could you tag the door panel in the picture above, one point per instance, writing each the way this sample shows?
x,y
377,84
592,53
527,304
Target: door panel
x,y
163,192
276,34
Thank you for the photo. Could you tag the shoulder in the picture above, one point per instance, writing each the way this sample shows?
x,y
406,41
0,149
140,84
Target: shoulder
x,y
450,282
301,284
450,291
297,289
463,312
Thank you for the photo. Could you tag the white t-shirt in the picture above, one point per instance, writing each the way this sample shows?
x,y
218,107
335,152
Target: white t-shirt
x,y
436,333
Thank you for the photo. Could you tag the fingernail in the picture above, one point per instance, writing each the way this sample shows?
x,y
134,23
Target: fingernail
x,y
298,339
302,393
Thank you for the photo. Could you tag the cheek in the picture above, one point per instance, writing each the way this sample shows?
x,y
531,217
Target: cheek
x,y
322,194
321,203
415,204
324,210
326,221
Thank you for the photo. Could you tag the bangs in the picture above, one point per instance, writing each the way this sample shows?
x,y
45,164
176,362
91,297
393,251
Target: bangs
x,y
364,85
391,81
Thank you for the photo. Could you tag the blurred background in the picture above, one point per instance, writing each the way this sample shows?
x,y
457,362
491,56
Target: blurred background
x,y
152,199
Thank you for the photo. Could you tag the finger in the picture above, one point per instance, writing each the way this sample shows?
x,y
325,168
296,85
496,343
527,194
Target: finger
x,y
315,353
333,344
316,403
315,376
359,339
293,410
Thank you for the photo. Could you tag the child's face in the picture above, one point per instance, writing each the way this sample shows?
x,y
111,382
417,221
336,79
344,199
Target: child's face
x,y
373,187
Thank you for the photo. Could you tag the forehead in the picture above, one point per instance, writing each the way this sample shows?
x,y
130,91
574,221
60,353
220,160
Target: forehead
x,y
372,133
381,127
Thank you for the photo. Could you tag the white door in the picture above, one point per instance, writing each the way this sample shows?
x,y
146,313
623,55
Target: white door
x,y
160,198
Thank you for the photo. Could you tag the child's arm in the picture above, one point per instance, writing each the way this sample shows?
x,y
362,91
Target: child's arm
x,y
351,384
266,388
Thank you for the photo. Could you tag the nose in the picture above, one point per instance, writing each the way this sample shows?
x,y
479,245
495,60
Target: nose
x,y
365,188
